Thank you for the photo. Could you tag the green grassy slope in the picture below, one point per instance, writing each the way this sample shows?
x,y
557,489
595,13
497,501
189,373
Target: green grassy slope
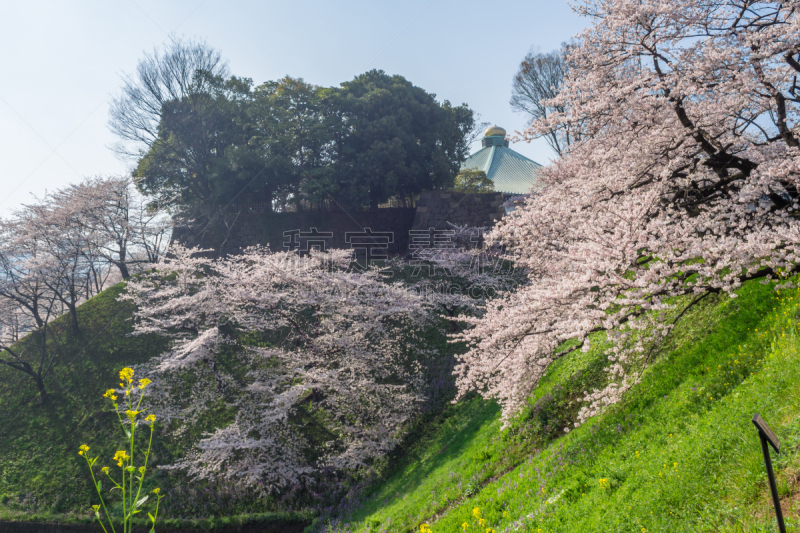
x,y
678,454
42,477
40,471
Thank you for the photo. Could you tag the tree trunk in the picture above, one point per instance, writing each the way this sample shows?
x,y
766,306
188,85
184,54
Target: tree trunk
x,y
73,314
42,391
123,269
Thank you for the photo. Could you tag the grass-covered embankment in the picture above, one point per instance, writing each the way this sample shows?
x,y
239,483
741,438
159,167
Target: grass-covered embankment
x,y
41,473
42,477
678,454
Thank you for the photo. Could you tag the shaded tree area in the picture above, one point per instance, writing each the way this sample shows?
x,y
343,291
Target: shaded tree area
x,y
399,140
218,139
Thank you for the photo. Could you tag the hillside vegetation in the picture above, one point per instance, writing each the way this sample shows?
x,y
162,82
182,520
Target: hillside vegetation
x,y
38,441
42,477
678,454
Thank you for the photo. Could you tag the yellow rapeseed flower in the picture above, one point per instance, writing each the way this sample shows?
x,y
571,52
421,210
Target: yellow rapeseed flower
x,y
104,470
83,449
132,414
156,491
150,418
603,482
126,374
109,393
144,383
476,512
464,526
120,457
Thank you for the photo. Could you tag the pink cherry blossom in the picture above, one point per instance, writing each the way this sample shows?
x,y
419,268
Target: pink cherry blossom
x,y
685,183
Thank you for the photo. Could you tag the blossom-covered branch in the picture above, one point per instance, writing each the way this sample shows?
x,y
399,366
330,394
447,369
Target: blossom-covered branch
x,y
323,346
687,183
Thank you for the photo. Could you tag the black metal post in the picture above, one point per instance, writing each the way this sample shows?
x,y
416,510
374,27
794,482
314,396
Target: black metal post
x,y
771,475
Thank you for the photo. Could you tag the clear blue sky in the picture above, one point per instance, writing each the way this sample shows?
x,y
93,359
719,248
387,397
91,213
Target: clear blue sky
x,y
62,63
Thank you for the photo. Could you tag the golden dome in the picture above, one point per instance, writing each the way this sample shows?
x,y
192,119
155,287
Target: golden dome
x,y
495,131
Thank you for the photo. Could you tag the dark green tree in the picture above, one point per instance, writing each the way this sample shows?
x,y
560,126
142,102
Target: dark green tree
x,y
202,152
397,140
289,143
472,180
293,134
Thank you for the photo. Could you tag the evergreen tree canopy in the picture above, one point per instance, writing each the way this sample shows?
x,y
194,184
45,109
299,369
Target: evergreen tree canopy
x,y
289,143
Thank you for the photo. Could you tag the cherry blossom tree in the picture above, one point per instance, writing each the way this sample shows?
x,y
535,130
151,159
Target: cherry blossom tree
x,y
118,225
58,252
460,275
28,304
13,324
685,184
321,364
60,262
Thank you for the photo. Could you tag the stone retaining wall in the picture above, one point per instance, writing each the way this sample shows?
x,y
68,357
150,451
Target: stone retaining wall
x,y
232,231
435,209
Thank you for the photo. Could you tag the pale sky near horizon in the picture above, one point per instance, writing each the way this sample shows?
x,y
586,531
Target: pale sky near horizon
x,y
63,62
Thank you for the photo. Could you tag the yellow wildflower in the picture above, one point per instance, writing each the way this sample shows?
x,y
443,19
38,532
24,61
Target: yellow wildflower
x,y
114,398
120,457
603,483
156,491
132,414
144,383
464,526
150,418
83,449
109,393
104,470
126,374
141,470
476,512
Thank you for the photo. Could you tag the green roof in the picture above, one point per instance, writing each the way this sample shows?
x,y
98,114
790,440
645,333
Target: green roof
x,y
511,172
